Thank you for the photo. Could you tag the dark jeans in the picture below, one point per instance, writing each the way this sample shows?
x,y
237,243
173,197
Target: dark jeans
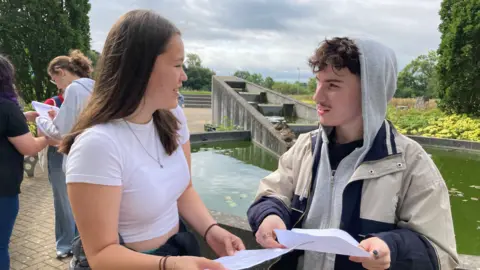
x,y
8,214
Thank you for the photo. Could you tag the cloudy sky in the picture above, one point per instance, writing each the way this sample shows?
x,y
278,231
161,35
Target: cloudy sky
x,y
275,37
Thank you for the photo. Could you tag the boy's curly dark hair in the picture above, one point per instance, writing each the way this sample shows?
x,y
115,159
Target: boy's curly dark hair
x,y
338,52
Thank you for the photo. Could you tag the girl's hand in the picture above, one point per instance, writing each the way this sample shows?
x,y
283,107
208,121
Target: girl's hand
x,y
190,262
223,242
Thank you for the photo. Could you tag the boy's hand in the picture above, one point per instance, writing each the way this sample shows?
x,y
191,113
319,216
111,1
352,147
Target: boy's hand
x,y
266,235
380,254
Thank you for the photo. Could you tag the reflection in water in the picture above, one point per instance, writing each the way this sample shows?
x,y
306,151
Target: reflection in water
x,y
226,176
245,151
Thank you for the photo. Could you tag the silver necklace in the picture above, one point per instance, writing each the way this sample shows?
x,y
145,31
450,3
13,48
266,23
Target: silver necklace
x,y
134,134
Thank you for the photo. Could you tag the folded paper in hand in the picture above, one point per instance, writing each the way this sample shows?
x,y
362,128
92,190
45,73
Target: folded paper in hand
x,y
43,108
328,240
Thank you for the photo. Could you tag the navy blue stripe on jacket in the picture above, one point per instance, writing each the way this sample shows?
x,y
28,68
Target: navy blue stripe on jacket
x,y
264,207
408,249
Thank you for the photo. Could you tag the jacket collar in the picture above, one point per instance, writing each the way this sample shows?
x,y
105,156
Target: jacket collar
x,y
384,143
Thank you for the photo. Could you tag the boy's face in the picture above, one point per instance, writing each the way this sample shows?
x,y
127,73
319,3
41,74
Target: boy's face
x,y
339,98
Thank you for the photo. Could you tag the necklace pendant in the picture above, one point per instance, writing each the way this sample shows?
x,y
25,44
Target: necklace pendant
x,y
161,166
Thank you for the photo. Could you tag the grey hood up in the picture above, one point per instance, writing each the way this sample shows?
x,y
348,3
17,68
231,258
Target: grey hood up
x,y
378,67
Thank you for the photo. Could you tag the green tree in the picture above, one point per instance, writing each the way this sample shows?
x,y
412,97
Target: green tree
x,y
33,32
312,84
419,77
199,77
287,88
94,56
77,13
193,60
255,78
242,74
268,82
459,57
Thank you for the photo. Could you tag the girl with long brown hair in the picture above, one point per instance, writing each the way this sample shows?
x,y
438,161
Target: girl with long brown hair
x,y
128,165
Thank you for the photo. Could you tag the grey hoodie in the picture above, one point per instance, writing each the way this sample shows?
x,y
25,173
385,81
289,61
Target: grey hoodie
x,y
378,83
76,97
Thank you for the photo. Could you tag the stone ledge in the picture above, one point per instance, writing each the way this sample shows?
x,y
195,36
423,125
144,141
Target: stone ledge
x,y
218,136
226,102
450,143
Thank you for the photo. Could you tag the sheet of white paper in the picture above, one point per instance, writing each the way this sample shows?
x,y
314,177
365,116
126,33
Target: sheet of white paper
x,y
248,258
328,240
43,108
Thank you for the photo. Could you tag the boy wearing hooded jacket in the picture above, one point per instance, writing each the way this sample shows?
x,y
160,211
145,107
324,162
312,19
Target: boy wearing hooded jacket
x,y
357,173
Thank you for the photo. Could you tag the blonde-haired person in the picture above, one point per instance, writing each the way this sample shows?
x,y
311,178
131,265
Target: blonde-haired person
x,y
72,75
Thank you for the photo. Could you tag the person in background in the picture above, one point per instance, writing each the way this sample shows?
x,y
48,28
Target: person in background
x,y
128,166
64,222
357,173
71,73
181,99
16,141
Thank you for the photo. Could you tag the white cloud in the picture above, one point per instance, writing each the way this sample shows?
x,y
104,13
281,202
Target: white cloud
x,y
277,37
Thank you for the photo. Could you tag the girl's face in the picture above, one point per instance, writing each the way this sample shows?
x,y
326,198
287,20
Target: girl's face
x,y
60,79
167,76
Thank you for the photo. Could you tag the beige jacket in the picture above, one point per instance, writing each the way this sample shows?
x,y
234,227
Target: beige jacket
x,y
402,190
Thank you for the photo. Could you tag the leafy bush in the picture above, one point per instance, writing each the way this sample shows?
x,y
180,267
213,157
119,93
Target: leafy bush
x,y
31,126
410,103
290,88
434,123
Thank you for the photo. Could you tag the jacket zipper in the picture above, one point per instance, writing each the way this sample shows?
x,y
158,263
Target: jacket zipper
x,y
332,196
332,178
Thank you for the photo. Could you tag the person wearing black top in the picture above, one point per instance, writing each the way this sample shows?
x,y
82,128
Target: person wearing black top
x,y
15,142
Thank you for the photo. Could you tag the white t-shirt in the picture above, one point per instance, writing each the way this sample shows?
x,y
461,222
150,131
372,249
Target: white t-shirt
x,y
111,154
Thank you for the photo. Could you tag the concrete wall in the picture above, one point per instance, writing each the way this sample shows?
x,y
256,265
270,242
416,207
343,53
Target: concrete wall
x,y
228,103
302,110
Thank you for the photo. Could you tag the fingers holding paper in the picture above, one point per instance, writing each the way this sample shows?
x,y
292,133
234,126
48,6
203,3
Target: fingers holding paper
x,y
265,235
223,242
52,113
31,116
380,254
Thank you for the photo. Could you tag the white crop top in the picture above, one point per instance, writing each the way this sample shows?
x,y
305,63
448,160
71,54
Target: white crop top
x,y
110,154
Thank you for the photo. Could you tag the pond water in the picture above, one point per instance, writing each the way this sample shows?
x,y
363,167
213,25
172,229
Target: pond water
x,y
226,175
461,171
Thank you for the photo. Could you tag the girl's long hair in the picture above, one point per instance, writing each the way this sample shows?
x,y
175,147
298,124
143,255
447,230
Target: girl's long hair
x,y
124,69
7,80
